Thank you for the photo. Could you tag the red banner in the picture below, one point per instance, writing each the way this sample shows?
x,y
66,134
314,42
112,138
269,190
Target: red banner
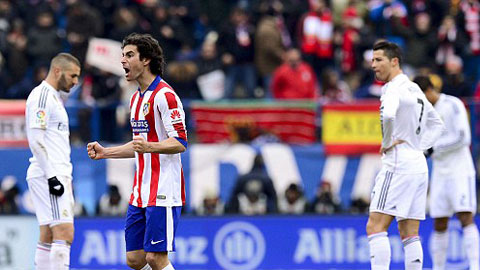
x,y
240,121
12,123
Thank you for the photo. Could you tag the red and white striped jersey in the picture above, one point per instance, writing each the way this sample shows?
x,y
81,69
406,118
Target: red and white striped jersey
x,y
157,115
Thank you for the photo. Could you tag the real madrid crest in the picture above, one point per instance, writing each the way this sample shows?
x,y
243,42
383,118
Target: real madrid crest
x,y
146,108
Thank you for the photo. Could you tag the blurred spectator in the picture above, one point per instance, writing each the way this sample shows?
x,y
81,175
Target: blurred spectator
x,y
16,53
254,192
351,24
382,13
332,88
236,42
44,41
112,203
454,82
22,89
83,22
211,78
324,202
294,79
450,41
125,21
182,77
293,202
468,20
9,196
211,206
421,37
359,206
269,55
316,33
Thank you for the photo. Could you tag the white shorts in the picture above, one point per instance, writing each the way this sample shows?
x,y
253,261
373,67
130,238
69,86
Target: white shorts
x,y
452,193
51,210
403,196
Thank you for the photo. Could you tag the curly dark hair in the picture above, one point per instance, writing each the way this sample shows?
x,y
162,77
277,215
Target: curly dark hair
x,y
149,48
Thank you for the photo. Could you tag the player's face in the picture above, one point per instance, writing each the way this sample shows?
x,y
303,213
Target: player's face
x,y
382,66
69,78
131,62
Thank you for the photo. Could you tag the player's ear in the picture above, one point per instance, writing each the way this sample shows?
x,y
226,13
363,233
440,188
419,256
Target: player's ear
x,y
146,61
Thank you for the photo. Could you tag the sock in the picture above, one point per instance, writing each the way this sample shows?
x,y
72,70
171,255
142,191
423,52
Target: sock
x,y
169,267
439,249
413,253
471,243
146,267
42,256
380,253
60,255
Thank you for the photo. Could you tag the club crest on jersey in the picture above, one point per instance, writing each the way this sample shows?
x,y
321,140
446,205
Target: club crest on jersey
x,y
146,108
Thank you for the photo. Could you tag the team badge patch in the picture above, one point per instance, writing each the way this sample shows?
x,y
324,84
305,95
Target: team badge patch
x,y
146,108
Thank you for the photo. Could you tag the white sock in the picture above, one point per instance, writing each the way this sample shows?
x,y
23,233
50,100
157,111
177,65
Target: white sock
x,y
42,256
413,253
439,249
60,255
380,253
471,243
146,267
169,267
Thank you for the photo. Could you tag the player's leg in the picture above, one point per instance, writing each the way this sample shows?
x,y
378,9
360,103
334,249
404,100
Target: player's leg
x,y
439,244
470,239
441,209
412,246
134,238
378,223
44,245
412,210
161,226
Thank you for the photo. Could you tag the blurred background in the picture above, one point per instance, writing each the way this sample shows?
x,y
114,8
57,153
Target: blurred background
x,y
282,119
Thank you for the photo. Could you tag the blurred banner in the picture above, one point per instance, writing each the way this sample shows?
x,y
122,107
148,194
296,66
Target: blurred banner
x,y
351,128
288,122
105,54
233,243
12,123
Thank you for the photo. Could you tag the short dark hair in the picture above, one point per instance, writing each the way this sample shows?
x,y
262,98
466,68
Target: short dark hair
x,y
390,49
149,48
424,82
63,59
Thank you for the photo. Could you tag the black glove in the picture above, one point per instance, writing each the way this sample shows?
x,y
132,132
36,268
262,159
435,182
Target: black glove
x,y
55,187
428,152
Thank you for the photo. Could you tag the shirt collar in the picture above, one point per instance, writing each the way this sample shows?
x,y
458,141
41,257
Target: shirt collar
x,y
153,85
49,87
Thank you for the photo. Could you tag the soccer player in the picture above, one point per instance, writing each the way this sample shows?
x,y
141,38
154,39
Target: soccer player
x,y
159,136
452,186
410,125
49,175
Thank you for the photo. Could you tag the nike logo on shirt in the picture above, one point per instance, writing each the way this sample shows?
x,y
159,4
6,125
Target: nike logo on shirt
x,y
155,242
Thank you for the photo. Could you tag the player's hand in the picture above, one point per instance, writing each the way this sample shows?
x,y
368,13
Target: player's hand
x,y
428,152
95,150
140,145
384,150
55,187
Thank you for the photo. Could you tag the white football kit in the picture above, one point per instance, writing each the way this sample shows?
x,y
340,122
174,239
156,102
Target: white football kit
x,y
48,138
452,186
400,188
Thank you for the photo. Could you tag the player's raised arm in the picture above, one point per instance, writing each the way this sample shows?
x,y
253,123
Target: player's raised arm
x,y
96,151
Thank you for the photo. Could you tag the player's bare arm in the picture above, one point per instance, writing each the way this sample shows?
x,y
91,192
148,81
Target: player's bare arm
x,y
96,151
168,146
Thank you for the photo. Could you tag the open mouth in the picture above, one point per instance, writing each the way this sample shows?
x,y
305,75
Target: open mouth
x,y
127,70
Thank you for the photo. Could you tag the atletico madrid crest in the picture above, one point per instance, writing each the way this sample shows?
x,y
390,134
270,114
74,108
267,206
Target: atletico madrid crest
x,y
146,108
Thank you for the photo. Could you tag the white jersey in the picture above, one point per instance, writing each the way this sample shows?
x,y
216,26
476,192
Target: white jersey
x,y
158,114
452,149
406,114
45,110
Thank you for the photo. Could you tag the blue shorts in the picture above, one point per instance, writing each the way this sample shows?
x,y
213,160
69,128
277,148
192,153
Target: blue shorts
x,y
152,228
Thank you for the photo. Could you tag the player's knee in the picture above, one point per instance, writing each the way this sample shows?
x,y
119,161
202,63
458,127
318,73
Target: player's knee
x,y
135,262
466,218
440,225
158,259
373,227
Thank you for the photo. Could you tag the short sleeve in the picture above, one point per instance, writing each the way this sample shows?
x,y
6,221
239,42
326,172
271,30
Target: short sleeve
x,y
172,113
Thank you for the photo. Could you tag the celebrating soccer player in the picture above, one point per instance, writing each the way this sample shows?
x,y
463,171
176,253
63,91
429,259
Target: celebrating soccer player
x,y
159,136
49,175
409,126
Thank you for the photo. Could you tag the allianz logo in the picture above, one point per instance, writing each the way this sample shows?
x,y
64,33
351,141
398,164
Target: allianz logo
x,y
239,245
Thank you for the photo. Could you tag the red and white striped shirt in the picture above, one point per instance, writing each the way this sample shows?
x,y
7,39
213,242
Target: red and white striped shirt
x,y
158,114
